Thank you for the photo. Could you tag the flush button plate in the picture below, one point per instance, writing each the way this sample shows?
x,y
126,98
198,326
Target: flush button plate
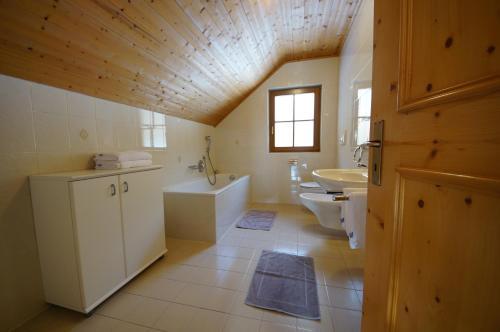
x,y
376,164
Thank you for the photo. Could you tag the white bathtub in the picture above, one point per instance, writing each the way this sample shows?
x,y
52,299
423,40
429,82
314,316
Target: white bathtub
x,y
199,211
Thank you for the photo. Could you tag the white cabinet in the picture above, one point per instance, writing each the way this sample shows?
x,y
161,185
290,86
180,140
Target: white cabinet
x,y
96,230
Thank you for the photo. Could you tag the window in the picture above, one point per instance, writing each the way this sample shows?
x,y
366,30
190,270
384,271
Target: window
x,y
362,112
153,130
294,119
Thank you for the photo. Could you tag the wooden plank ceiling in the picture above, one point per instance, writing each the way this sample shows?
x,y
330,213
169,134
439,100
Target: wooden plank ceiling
x,y
194,59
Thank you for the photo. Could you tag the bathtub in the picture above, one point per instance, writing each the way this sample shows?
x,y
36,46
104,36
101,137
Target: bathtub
x,y
199,211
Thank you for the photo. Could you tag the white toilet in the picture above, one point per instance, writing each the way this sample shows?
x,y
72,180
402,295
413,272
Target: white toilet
x,y
325,208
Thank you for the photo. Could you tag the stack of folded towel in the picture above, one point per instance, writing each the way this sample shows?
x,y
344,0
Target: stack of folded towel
x,y
127,159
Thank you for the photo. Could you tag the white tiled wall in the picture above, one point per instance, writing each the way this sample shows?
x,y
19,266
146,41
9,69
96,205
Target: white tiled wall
x,y
245,133
44,129
355,66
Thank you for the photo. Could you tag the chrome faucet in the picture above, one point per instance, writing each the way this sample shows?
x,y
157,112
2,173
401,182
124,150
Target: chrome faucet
x,y
361,148
200,166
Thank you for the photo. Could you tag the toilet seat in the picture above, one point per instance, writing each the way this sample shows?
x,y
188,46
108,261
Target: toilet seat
x,y
311,187
325,208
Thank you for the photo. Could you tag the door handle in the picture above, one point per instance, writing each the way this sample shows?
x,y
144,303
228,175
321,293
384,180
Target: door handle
x,y
125,187
376,142
372,144
113,190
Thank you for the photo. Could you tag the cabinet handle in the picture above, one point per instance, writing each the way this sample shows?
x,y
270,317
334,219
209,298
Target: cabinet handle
x,y
113,190
125,186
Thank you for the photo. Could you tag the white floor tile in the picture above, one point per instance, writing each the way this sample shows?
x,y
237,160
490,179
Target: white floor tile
x,y
213,298
202,286
274,327
346,320
344,298
239,308
156,287
241,324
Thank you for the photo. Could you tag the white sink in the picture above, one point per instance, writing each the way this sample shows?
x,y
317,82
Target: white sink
x,y
336,179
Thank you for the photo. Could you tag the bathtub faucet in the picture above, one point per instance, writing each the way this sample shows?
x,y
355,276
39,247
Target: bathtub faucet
x,y
200,166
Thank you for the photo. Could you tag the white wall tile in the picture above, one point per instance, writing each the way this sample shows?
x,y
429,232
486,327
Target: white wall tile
x,y
82,134
355,64
10,85
49,162
104,109
243,135
124,114
16,131
40,132
18,101
105,135
51,132
47,99
81,105
126,136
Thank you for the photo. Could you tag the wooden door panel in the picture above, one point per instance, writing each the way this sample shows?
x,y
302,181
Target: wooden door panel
x,y
448,136
448,51
446,245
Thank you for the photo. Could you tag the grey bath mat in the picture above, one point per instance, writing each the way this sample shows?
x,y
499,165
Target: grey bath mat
x,y
257,219
285,283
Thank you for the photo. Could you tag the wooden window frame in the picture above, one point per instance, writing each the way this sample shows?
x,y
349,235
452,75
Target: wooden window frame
x,y
317,118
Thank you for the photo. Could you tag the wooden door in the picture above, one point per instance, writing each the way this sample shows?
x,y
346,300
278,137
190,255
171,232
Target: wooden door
x,y
143,218
433,226
96,208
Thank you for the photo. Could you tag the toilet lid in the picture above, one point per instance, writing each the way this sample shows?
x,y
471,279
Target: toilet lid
x,y
310,185
318,197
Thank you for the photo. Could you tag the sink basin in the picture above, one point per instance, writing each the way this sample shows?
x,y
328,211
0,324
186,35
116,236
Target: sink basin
x,y
336,179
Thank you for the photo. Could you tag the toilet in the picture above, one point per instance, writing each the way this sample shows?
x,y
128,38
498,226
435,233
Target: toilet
x,y
324,207
316,199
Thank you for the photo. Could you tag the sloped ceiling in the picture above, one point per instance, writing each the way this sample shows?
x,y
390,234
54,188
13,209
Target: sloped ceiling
x,y
194,59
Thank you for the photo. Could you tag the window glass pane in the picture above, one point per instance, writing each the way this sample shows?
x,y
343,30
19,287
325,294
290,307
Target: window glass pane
x,y
146,138
158,119
145,118
159,139
283,134
283,108
364,102
304,106
363,130
304,133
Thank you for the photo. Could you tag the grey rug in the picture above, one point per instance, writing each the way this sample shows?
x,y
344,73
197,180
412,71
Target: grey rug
x,y
285,283
257,219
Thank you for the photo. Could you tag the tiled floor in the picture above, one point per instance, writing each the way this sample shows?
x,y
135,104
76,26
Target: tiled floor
x,y
202,287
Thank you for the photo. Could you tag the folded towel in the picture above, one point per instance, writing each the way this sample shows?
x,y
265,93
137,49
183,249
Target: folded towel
x,y
124,156
108,164
355,217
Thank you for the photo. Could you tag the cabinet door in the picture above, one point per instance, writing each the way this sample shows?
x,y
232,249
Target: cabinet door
x,y
96,206
143,219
